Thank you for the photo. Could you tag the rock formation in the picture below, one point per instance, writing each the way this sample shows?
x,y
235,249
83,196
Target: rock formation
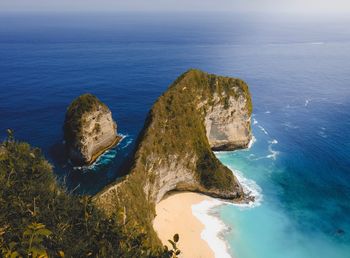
x,y
228,124
89,129
198,112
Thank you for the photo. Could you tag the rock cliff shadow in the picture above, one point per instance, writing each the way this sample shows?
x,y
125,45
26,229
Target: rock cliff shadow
x,y
91,179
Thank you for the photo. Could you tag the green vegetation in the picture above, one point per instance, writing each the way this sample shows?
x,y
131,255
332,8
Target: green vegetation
x,y
40,218
74,116
174,252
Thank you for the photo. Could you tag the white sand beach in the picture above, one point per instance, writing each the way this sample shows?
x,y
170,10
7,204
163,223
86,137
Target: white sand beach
x,y
174,215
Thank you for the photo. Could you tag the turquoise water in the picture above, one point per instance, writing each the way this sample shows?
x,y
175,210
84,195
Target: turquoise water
x,y
298,72
279,225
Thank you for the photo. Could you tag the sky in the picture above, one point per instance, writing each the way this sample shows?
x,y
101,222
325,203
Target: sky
x,y
264,6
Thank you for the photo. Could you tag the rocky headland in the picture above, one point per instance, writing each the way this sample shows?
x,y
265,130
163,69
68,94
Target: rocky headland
x,y
199,113
89,129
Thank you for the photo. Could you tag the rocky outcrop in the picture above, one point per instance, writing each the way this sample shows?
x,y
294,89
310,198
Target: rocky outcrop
x,y
228,124
198,113
89,129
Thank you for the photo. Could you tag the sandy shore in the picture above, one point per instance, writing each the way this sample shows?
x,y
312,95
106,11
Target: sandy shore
x,y
174,215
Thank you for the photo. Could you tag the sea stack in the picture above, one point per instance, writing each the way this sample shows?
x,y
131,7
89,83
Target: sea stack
x,y
89,129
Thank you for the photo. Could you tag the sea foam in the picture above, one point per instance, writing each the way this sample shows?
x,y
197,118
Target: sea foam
x,y
274,153
250,188
251,142
263,130
214,227
104,158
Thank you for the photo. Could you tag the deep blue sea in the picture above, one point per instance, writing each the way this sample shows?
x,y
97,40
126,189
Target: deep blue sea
x,y
298,71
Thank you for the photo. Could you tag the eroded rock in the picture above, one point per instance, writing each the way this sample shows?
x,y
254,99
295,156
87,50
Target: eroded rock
x,y
89,129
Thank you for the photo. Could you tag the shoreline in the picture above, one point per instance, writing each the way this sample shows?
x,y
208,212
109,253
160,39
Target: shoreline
x,y
98,154
215,229
189,214
190,208
201,230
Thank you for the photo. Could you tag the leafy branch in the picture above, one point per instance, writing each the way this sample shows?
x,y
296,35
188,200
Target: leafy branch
x,y
175,251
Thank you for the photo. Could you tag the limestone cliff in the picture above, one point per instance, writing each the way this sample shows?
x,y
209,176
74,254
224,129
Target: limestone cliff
x,y
228,124
89,129
198,112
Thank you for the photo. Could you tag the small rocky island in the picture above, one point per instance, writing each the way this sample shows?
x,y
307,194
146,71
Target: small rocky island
x,y
89,129
199,113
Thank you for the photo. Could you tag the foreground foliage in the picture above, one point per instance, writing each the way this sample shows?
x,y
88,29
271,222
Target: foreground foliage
x,y
38,218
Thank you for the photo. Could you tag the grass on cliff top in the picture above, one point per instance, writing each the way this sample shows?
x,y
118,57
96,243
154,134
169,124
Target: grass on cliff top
x,y
73,123
73,225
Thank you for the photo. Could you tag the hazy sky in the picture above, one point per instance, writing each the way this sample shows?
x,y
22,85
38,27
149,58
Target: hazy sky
x,y
293,6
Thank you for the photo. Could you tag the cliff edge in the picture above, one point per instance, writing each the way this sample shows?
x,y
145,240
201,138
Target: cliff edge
x,y
199,112
89,129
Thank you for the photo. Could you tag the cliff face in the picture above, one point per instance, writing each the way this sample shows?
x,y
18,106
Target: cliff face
x,y
89,129
197,113
228,124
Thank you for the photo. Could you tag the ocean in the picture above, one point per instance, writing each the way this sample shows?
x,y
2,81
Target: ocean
x,y
298,70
